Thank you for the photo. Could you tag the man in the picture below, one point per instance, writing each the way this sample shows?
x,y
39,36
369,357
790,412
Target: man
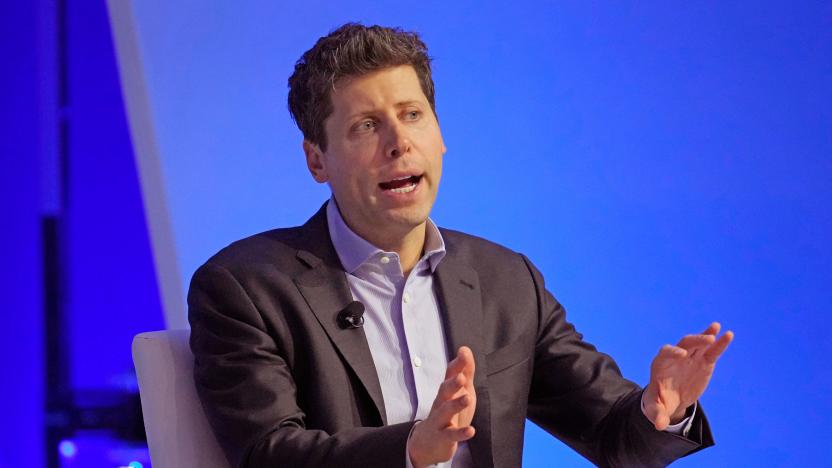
x,y
369,337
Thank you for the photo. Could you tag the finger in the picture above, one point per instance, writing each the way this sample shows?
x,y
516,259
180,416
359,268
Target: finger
x,y
449,387
713,329
691,342
670,351
444,413
714,352
459,434
667,356
456,365
467,357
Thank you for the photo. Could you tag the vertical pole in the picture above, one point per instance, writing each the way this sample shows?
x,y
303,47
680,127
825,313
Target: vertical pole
x,y
55,176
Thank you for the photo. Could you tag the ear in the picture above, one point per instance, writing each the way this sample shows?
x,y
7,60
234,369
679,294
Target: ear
x,y
315,161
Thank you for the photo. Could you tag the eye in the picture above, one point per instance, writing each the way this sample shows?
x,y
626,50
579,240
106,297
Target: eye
x,y
413,115
365,126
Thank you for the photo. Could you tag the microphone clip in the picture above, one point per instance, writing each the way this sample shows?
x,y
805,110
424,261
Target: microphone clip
x,y
352,316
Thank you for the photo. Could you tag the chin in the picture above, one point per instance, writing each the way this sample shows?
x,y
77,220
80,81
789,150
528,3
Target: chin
x,y
409,219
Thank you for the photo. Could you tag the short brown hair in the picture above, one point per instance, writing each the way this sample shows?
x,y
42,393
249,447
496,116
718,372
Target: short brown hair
x,y
351,50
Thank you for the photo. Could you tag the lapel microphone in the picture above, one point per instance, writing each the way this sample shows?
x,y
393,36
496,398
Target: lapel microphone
x,y
352,316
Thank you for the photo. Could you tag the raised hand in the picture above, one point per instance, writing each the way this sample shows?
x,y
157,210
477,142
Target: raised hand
x,y
680,374
435,439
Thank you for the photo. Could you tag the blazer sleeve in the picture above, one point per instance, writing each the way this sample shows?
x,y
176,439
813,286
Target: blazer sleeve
x,y
578,395
249,395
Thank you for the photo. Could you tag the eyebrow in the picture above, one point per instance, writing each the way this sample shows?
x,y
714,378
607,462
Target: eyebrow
x,y
407,103
397,105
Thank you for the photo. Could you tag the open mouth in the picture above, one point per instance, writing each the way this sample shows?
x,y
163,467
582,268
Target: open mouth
x,y
402,184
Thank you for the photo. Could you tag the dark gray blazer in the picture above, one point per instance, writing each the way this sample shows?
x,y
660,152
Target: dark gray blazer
x,y
284,386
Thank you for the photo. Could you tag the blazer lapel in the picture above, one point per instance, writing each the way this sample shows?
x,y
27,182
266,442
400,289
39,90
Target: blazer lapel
x,y
325,288
458,291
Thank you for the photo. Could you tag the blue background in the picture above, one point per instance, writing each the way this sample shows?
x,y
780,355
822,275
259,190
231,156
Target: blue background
x,y
664,164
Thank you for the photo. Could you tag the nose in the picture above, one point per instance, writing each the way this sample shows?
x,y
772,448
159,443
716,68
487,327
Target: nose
x,y
399,143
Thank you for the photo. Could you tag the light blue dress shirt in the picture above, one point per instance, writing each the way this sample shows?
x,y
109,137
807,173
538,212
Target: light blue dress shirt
x,y
403,324
402,321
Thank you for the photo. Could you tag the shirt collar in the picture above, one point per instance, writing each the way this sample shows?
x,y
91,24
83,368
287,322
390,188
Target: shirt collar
x,y
354,251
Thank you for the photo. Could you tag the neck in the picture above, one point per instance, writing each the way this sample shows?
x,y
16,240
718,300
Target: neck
x,y
408,245
407,242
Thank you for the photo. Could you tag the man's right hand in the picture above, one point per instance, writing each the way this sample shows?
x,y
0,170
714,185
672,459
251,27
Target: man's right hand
x,y
435,439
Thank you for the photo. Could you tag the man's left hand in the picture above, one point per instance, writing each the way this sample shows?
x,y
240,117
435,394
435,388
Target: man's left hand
x,y
680,374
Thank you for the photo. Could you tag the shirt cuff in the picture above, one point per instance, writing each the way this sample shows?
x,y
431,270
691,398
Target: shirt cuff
x,y
681,428
407,462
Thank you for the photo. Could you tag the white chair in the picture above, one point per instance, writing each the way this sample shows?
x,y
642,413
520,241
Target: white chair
x,y
178,433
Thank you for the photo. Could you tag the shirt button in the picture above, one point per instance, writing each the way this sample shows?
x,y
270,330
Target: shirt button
x,y
406,298
417,361
385,260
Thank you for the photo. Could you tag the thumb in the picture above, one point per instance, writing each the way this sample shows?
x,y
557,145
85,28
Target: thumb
x,y
662,419
656,413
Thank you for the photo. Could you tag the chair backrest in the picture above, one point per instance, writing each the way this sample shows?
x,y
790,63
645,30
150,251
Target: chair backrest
x,y
178,434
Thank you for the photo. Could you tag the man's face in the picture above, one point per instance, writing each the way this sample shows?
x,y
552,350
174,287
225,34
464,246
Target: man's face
x,y
384,153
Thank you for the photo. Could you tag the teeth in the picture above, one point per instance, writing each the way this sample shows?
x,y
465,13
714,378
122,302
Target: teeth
x,y
407,189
